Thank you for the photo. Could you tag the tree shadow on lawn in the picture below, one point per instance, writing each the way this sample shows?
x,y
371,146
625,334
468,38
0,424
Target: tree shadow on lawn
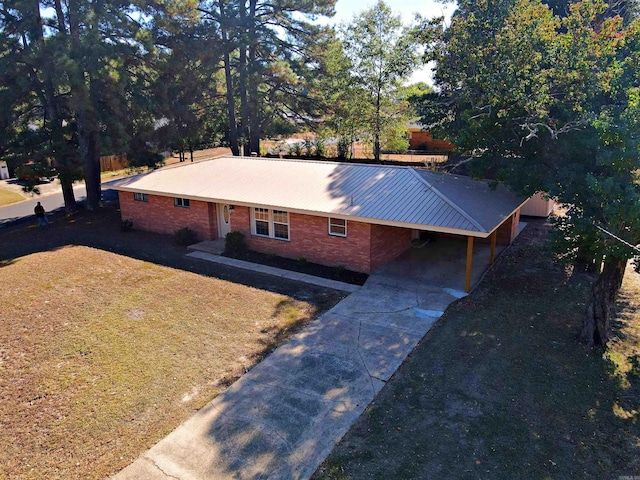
x,y
102,230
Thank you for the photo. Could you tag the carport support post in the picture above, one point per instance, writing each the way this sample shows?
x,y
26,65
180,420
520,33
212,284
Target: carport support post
x,y
492,256
467,284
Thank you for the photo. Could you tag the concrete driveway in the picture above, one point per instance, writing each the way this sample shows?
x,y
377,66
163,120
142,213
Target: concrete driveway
x,y
281,419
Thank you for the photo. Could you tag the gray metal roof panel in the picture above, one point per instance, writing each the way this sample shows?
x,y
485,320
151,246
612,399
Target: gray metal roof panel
x,y
376,192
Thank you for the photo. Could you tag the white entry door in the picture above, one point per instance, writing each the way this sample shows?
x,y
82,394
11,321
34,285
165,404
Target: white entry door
x,y
224,219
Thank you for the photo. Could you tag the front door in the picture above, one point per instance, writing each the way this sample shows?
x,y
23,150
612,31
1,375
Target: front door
x,y
224,220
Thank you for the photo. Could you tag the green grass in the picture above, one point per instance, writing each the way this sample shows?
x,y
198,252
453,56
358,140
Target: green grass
x,y
8,197
500,388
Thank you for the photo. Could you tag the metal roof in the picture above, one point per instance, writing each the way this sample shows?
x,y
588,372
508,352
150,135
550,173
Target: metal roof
x,y
389,195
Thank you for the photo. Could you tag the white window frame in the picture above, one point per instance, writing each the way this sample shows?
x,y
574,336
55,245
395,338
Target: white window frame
x,y
331,232
270,221
265,216
181,202
140,197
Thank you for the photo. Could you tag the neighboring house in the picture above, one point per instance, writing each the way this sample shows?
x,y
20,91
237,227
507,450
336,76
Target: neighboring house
x,y
339,214
4,170
420,139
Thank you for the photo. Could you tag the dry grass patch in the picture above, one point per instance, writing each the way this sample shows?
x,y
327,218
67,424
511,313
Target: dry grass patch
x,y
8,197
102,355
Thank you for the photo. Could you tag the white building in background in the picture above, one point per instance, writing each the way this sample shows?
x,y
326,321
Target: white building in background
x,y
4,170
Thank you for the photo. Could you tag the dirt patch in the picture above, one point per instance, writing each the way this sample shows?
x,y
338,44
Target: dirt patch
x,y
500,387
110,339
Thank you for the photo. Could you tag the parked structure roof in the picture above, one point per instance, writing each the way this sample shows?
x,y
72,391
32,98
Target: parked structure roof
x,y
381,194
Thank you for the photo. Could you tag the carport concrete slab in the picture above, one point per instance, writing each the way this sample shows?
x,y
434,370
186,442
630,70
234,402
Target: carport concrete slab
x,y
440,264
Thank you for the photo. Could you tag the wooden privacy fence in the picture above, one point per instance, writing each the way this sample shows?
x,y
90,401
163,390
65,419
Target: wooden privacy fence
x,y
110,163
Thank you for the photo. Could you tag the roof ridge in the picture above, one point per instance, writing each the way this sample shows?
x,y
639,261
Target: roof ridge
x,y
453,204
320,162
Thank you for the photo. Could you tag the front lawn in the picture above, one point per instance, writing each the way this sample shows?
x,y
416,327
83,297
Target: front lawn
x,y
500,388
8,197
103,354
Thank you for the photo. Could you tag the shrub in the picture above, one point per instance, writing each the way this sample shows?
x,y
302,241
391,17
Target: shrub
x,y
127,224
185,236
295,149
321,147
308,146
344,148
234,244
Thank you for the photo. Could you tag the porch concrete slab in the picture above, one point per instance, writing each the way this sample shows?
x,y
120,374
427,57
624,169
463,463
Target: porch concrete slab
x,y
215,247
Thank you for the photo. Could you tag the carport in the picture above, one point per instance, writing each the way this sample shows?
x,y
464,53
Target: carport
x,y
456,263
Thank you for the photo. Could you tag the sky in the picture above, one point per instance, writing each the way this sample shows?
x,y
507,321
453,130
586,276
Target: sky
x,y
346,9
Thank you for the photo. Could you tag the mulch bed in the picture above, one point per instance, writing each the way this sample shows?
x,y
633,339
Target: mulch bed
x,y
302,266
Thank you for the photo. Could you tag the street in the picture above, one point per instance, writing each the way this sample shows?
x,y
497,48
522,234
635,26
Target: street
x,y
50,201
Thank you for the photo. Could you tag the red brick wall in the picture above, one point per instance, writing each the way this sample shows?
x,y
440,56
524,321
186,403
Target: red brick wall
x,y
160,215
309,238
387,243
509,229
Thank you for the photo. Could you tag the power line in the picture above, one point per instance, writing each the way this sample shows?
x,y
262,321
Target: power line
x,y
624,242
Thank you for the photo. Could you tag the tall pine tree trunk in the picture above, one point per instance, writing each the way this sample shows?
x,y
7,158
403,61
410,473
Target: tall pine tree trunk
x,y
90,155
254,107
378,127
67,194
243,79
53,119
595,327
231,101
83,111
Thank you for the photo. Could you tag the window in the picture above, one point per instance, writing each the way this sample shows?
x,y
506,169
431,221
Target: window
x,y
181,202
281,224
271,223
140,197
338,227
261,221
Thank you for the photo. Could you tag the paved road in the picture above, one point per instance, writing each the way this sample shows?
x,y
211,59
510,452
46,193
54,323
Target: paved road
x,y
50,202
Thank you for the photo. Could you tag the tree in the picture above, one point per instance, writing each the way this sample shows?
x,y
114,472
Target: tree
x,y
37,125
188,91
266,43
551,104
383,53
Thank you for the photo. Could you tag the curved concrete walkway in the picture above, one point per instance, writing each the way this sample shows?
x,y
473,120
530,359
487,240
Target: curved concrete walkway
x,y
281,419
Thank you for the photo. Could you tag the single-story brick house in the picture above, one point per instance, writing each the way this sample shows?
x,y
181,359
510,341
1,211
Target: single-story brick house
x,y
338,214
